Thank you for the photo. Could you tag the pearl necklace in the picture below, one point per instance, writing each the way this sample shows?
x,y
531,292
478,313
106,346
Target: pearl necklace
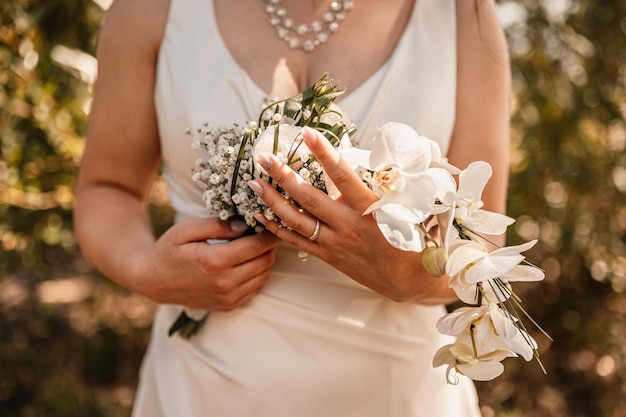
x,y
304,36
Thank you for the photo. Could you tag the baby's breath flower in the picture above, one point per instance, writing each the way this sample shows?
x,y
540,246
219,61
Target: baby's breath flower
x,y
215,178
269,213
305,174
209,137
315,166
204,129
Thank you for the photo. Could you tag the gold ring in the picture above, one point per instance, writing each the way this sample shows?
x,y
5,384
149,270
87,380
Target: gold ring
x,y
316,232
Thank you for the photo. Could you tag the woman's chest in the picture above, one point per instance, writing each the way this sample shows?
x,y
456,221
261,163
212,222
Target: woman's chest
x,y
360,44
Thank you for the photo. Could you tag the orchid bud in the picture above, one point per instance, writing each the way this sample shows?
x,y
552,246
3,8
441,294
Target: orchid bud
x,y
434,259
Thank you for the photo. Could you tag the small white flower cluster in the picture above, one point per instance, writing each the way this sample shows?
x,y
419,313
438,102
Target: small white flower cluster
x,y
230,164
226,152
416,189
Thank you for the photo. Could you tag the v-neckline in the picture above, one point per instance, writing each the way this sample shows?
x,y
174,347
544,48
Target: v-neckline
x,y
348,94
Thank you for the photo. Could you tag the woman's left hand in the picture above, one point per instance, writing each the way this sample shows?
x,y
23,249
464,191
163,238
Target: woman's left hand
x,y
344,238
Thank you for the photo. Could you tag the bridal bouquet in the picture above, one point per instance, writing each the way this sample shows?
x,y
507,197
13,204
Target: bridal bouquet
x,y
425,205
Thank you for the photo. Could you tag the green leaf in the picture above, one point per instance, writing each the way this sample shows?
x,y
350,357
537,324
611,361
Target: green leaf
x,y
185,326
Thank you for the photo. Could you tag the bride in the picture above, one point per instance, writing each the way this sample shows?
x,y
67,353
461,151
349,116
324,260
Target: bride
x,y
351,331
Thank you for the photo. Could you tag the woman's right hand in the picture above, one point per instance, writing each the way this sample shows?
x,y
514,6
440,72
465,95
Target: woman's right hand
x,y
182,268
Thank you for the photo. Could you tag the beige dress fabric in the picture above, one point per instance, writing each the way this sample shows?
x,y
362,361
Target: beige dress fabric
x,y
314,343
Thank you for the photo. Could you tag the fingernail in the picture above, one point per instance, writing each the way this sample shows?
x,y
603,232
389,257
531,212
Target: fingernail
x,y
309,136
264,160
260,218
238,226
256,187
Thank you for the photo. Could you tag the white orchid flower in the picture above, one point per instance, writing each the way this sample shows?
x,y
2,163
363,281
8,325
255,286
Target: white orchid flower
x,y
405,206
469,263
492,329
472,259
472,182
444,213
495,290
470,293
503,326
404,181
459,320
462,359
399,144
523,273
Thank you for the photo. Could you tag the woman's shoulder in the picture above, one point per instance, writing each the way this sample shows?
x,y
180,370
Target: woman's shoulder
x,y
136,23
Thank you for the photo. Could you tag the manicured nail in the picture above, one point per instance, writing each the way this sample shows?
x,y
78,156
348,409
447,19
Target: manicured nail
x,y
264,160
255,186
260,218
238,226
309,135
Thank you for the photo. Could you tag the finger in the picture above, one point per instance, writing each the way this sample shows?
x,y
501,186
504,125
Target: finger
x,y
234,283
354,192
292,217
293,237
200,230
245,250
247,290
313,200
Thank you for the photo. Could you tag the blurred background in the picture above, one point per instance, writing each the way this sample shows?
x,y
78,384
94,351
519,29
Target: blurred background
x,y
71,342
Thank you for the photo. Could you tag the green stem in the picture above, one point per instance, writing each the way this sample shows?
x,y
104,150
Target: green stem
x,y
427,235
242,150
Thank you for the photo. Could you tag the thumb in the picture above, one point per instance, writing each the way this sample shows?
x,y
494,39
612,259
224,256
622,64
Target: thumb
x,y
197,230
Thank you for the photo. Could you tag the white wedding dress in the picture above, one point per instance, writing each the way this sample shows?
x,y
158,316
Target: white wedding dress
x,y
314,343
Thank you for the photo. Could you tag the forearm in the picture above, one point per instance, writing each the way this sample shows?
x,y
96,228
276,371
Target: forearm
x,y
113,231
438,292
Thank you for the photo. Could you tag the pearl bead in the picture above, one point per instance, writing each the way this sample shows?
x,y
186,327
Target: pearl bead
x,y
306,36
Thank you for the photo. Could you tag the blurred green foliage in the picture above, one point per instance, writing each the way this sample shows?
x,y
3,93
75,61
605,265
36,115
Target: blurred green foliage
x,y
71,342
